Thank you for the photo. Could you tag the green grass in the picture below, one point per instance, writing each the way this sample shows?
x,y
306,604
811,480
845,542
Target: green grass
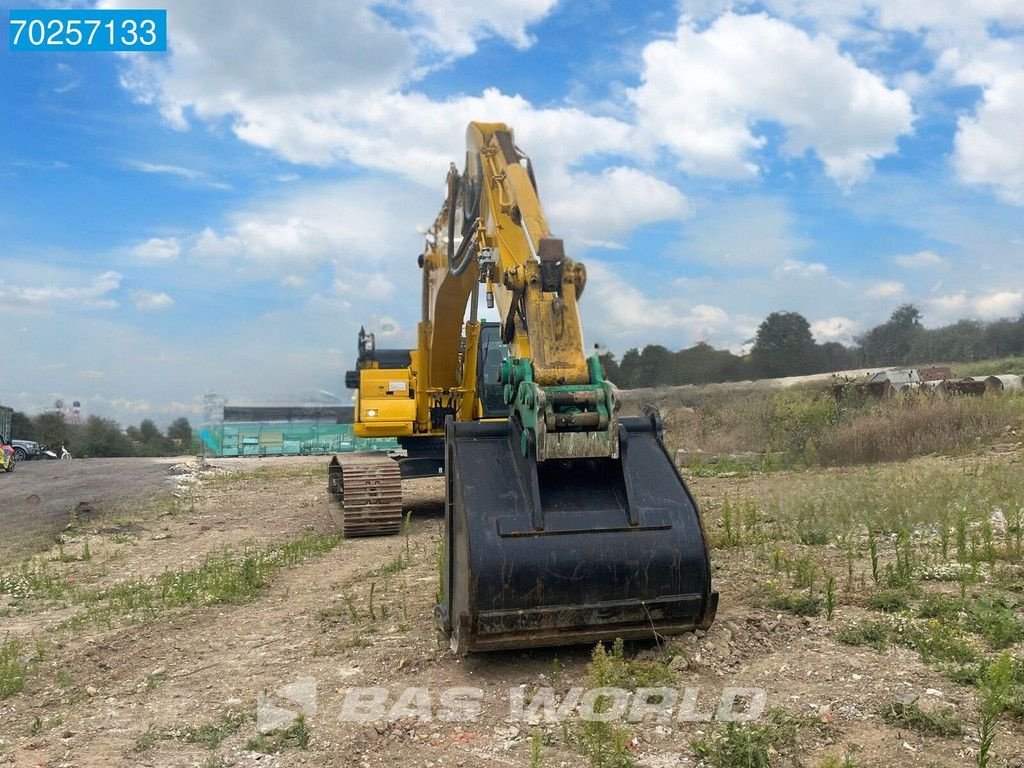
x,y
759,744
804,426
606,744
800,603
147,739
295,735
210,735
223,578
996,689
889,601
910,715
865,632
12,670
990,367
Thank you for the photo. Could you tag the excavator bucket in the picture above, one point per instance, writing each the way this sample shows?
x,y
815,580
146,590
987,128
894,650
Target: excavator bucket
x,y
572,551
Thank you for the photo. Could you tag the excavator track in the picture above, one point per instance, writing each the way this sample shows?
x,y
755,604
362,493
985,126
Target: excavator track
x,y
369,489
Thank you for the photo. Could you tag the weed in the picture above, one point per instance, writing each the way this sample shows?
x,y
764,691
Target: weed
x,y
154,679
86,554
210,735
865,632
295,735
606,744
942,608
738,747
390,568
830,596
618,671
997,623
12,671
995,691
147,740
901,574
910,715
873,549
749,745
832,761
800,603
889,601
536,742
222,578
732,531
556,671
805,571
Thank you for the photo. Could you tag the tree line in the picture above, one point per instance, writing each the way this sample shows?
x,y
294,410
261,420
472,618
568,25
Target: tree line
x,y
785,346
97,436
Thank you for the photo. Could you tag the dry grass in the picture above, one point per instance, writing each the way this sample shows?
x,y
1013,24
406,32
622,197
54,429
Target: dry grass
x,y
806,425
897,429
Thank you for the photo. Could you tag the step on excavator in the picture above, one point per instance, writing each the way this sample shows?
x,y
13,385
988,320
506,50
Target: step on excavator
x,y
565,522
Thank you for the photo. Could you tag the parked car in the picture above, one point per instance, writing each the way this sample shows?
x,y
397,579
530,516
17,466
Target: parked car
x,y
26,449
8,460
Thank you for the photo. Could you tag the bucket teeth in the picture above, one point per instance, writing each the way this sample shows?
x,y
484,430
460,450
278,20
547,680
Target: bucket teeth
x,y
369,489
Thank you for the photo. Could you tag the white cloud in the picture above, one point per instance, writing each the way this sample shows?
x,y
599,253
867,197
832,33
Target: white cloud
x,y
94,294
703,92
210,247
375,287
190,174
884,289
987,305
841,329
213,71
293,281
353,223
795,268
921,259
604,206
989,146
158,249
454,27
618,313
148,301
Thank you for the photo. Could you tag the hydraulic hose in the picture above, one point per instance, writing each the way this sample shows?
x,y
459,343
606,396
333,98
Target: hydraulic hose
x,y
459,261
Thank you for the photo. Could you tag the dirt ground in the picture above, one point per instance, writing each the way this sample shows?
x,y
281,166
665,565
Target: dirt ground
x,y
182,688
37,497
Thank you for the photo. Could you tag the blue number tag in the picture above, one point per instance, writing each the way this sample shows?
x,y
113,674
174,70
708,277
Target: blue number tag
x,y
84,29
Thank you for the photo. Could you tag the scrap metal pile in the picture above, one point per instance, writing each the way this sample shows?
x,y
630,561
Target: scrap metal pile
x,y
940,381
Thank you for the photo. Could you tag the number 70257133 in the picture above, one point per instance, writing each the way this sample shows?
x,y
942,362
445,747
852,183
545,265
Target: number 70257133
x,y
88,30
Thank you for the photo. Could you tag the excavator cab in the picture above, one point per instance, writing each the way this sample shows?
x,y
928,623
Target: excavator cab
x,y
492,354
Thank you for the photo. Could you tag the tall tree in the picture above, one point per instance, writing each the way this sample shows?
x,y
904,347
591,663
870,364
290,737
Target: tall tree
x,y
898,340
181,431
22,427
784,346
50,429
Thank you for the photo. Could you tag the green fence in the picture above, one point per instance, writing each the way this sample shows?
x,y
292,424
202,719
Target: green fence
x,y
292,438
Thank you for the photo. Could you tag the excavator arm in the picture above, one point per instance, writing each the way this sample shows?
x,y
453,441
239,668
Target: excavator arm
x,y
564,522
559,401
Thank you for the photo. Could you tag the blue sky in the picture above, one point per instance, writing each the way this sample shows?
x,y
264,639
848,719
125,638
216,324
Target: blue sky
x,y
224,217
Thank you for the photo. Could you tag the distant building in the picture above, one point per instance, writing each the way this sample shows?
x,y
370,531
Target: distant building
x,y
282,430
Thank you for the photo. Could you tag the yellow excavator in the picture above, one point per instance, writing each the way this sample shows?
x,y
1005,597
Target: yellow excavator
x,y
564,522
